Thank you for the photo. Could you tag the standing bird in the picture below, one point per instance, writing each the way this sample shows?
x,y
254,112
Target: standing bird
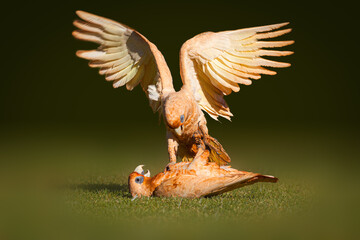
x,y
211,66
199,178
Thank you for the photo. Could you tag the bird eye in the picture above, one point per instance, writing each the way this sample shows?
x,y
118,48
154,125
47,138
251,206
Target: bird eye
x,y
139,179
182,118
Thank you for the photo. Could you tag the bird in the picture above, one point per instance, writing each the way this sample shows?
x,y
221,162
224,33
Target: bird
x,y
199,178
212,65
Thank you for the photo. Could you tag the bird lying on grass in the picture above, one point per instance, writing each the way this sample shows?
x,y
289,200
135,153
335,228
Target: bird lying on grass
x,y
211,66
199,178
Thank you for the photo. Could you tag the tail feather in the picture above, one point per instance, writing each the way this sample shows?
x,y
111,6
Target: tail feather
x,y
217,152
230,183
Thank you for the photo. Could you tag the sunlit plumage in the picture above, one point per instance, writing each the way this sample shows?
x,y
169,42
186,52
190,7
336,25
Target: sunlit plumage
x,y
199,178
212,65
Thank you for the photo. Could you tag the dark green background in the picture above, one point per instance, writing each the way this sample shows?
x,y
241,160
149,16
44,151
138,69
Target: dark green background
x,y
44,83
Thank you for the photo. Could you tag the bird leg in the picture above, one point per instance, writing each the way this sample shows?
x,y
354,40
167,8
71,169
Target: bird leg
x,y
202,153
199,143
172,147
201,136
203,130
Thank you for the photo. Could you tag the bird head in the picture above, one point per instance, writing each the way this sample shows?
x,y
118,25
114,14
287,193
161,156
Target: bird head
x,y
140,183
175,113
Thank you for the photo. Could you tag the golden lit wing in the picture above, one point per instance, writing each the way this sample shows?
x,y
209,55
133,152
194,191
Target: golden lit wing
x,y
124,56
214,64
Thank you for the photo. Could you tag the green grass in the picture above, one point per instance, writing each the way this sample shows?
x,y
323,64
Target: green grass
x,y
71,186
106,199
109,196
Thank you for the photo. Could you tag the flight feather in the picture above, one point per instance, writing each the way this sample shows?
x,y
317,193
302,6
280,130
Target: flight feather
x,y
213,65
124,56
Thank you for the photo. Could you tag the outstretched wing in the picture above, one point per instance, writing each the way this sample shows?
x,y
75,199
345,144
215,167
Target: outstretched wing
x,y
124,56
213,64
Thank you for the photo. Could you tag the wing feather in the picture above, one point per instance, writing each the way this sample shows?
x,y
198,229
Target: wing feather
x,y
113,69
126,77
136,79
232,68
230,74
120,74
222,84
213,64
124,56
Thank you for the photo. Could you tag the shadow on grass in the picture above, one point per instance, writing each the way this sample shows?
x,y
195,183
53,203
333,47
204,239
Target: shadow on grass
x,y
123,189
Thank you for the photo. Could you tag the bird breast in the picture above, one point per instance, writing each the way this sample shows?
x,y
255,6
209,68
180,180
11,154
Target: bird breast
x,y
193,116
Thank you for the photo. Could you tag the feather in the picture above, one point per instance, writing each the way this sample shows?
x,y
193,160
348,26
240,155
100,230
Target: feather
x,y
125,78
269,63
263,52
88,27
136,80
107,24
100,55
102,64
272,34
118,75
113,49
230,75
114,69
229,67
225,59
238,60
88,37
262,28
272,44
153,93
218,82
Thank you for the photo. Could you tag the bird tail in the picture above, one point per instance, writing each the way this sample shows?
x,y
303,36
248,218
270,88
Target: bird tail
x,y
217,152
234,181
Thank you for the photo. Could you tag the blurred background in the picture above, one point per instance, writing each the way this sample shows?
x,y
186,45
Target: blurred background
x,y
60,119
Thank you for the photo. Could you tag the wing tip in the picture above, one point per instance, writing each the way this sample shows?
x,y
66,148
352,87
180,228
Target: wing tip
x,y
76,22
291,42
75,34
271,27
289,52
284,24
79,35
247,83
270,178
82,53
278,25
82,13
285,53
78,53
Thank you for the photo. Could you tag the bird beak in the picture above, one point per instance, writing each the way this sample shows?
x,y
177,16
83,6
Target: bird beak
x,y
139,169
179,130
147,174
